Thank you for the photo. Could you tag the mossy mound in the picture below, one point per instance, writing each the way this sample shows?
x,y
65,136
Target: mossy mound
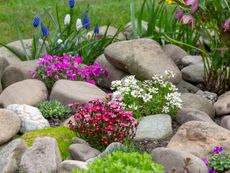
x,y
63,135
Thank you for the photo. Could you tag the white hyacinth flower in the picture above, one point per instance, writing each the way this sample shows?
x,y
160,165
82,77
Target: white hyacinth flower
x,y
59,41
67,20
78,24
89,35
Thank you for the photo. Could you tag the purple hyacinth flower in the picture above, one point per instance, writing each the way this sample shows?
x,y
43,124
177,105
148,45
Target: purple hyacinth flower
x,y
36,21
179,13
226,25
86,22
45,31
193,3
71,3
96,29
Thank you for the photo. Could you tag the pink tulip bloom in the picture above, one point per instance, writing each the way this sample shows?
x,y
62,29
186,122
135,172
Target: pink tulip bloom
x,y
226,25
188,20
193,3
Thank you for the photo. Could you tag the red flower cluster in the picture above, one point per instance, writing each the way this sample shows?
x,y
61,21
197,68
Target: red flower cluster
x,y
101,123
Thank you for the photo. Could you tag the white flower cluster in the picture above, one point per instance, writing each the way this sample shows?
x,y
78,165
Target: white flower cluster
x,y
136,94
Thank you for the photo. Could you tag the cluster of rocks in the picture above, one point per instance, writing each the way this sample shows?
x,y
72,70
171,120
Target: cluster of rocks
x,y
197,135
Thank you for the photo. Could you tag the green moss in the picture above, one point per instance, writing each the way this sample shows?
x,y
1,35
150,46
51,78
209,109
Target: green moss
x,y
63,135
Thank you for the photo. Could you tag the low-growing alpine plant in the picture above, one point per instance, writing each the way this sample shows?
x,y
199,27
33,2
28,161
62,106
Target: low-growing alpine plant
x,y
52,68
147,97
218,160
101,123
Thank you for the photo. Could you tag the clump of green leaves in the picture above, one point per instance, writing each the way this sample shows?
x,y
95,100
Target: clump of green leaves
x,y
218,161
53,109
123,162
63,135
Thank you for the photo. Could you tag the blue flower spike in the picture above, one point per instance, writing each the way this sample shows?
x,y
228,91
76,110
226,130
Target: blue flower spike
x,y
45,31
96,29
71,3
36,21
86,22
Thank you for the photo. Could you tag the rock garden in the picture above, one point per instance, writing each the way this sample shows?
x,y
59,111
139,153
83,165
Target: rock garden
x,y
152,96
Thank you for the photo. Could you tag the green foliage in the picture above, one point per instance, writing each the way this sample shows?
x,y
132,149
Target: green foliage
x,y
161,23
220,162
65,39
53,109
62,134
122,162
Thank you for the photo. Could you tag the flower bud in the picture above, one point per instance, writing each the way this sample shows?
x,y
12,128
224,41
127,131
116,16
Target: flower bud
x,y
67,20
78,24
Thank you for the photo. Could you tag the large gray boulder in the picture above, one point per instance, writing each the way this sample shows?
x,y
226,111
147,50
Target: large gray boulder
x,y
199,138
192,114
10,156
44,156
193,73
30,116
114,73
154,127
18,72
10,125
66,91
29,92
176,53
175,160
12,58
142,58
190,100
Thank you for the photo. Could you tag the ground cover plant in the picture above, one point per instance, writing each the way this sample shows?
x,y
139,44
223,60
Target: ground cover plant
x,y
124,162
52,68
147,97
63,135
218,160
53,109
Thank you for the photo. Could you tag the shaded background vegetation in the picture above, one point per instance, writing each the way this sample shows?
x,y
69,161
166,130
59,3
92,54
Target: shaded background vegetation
x,y
102,12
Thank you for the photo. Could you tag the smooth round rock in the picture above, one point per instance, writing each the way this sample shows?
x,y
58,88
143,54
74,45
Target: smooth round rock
x,y
10,125
143,58
114,73
66,91
173,159
190,100
154,127
18,72
29,92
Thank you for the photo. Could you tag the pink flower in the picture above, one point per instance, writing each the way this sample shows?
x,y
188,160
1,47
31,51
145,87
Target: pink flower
x,y
193,3
78,59
226,25
179,14
188,20
56,77
91,82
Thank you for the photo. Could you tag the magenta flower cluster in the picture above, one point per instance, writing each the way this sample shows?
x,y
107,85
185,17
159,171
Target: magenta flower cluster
x,y
101,122
52,68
